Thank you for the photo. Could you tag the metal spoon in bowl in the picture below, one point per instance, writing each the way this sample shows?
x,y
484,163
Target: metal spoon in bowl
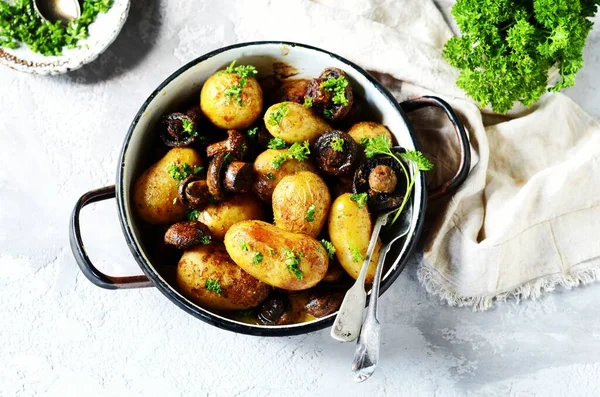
x,y
349,319
57,10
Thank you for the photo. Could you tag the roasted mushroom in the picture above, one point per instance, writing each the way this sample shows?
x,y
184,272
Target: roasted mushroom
x,y
185,235
322,303
336,153
331,94
236,143
275,310
227,174
193,192
381,178
292,91
180,130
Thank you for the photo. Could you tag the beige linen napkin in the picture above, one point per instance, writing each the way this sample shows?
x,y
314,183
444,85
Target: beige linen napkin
x,y
528,217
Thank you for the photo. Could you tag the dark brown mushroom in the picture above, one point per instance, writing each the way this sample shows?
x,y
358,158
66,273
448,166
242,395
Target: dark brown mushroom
x,y
188,234
292,91
193,192
236,143
323,303
180,130
336,153
275,310
323,96
238,177
214,175
335,272
378,198
195,113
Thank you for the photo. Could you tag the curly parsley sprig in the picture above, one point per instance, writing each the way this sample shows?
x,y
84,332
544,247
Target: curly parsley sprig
x,y
382,145
244,72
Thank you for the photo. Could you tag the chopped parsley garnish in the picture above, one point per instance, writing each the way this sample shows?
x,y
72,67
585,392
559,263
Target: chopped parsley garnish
x,y
310,213
247,313
272,252
338,87
278,114
252,133
244,246
270,176
213,286
188,127
277,143
192,215
308,102
364,142
244,72
181,172
328,113
175,201
357,256
205,240
298,151
337,144
382,145
329,248
292,262
360,198
19,23
257,258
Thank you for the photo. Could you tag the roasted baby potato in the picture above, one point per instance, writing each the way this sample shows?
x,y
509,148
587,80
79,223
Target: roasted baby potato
x,y
267,177
221,216
155,194
350,231
231,111
301,203
282,259
368,129
207,276
293,122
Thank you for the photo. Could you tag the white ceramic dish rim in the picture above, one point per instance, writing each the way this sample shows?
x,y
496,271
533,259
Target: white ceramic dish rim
x,y
151,109
103,32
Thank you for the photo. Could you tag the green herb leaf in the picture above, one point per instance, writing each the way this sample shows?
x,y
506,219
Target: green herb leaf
x,y
338,87
360,198
213,286
278,114
357,256
244,246
257,258
422,162
329,248
292,262
377,145
278,161
197,170
270,176
192,215
244,72
308,102
328,113
247,313
252,133
337,144
181,172
310,213
206,240
188,127
299,151
277,143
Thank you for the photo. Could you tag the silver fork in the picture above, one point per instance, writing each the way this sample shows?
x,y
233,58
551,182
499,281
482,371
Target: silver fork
x,y
366,355
349,319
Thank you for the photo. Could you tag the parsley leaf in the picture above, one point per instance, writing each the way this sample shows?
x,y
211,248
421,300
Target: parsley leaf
x,y
270,176
244,246
308,102
292,262
213,286
192,215
188,127
278,114
338,87
277,143
357,256
360,198
422,162
278,162
183,171
328,113
329,248
337,144
252,133
310,213
206,239
299,151
244,72
257,258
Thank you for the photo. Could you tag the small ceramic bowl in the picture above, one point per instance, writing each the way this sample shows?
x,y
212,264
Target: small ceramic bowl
x,y
269,58
103,31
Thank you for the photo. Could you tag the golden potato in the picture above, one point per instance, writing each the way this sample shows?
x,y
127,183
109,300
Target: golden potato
x,y
155,192
301,203
282,259
231,112
293,122
267,177
208,277
221,216
368,129
350,231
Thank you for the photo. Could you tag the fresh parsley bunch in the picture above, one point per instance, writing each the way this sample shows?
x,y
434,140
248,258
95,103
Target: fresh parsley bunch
x,y
508,46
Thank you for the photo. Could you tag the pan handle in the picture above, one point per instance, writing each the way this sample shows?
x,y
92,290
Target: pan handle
x,y
461,134
81,257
